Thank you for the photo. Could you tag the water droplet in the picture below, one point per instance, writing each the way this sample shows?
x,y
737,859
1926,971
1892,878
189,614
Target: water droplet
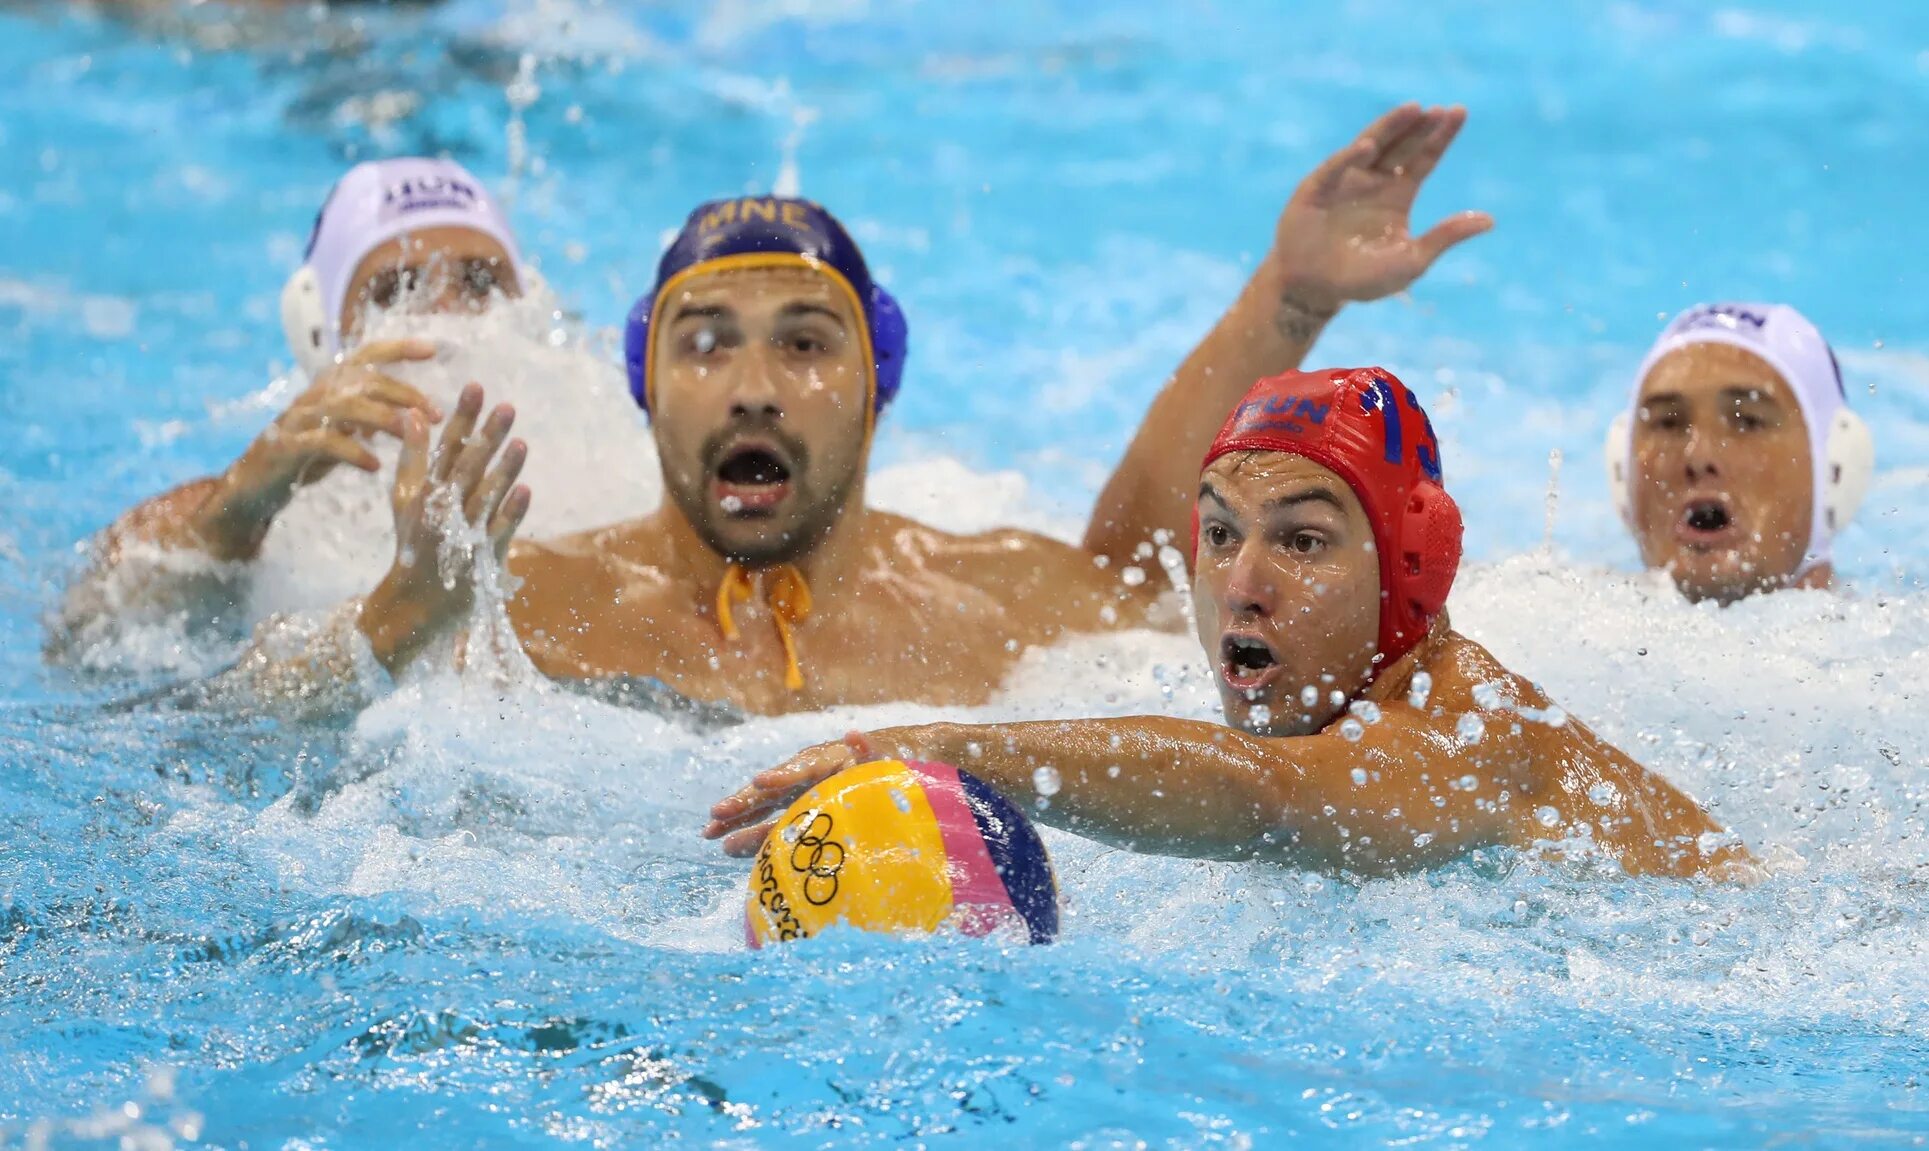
x,y
1260,715
731,504
1309,696
1132,576
1045,780
1422,839
1419,690
1466,783
1487,695
1351,730
1359,777
1604,794
1336,698
1547,816
1471,728
1366,710
1112,772
1554,716
1108,615
975,750
901,801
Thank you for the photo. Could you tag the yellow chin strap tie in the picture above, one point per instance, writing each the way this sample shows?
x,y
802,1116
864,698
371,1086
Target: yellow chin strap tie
x,y
789,599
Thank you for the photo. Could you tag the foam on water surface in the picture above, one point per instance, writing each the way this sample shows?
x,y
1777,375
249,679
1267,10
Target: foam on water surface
x,y
478,913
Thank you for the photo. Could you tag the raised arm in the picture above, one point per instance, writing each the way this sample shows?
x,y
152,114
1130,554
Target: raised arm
x,y
450,504
177,552
1342,237
1397,798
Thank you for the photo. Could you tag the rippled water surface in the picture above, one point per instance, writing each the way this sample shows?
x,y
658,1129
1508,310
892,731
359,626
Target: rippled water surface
x,y
479,915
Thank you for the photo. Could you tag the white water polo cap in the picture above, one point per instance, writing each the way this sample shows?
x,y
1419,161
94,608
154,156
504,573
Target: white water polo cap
x,y
373,203
1840,448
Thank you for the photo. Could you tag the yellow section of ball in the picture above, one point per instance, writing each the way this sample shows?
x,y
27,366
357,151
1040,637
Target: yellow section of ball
x,y
863,848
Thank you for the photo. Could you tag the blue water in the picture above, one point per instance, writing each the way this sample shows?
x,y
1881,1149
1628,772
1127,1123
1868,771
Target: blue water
x,y
477,918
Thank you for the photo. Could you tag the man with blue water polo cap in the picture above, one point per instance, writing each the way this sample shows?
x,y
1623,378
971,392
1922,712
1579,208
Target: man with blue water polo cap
x,y
764,355
410,232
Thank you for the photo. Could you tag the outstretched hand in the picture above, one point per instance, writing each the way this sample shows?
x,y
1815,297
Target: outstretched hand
x,y
1346,235
448,505
744,819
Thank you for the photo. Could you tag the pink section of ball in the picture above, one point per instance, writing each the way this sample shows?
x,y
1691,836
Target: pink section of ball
x,y
976,887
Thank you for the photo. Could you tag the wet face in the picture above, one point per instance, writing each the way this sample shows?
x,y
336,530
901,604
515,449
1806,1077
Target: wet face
x,y
432,271
1287,591
1722,487
760,400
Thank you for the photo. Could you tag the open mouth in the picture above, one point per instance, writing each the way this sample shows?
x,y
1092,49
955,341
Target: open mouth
x,y
1247,662
1706,522
752,479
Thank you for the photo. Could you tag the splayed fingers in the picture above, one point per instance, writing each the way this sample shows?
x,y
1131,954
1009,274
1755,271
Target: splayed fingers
x,y
744,819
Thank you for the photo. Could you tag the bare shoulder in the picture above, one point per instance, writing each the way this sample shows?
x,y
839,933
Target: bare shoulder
x,y
1000,556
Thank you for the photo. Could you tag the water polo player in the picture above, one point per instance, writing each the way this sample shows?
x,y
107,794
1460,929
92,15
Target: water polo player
x,y
764,355
1367,735
418,233
1739,460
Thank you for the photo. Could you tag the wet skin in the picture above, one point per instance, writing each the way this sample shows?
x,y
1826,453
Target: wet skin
x,y
1722,475
761,415
1394,787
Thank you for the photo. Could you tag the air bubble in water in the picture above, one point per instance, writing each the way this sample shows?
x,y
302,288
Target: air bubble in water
x,y
1471,728
1419,689
1046,781
1351,730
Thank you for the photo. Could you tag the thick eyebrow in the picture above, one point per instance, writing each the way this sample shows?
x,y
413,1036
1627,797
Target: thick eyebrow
x,y
1743,395
807,308
700,311
1304,495
1661,398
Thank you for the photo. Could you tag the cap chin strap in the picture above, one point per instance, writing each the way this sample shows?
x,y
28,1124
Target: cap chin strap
x,y
1848,465
305,322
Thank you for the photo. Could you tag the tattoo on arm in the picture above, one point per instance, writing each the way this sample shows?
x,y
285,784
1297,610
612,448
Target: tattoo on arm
x,y
1299,323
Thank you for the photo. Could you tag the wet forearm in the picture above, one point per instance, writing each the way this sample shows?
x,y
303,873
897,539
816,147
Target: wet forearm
x,y
1151,784
1268,330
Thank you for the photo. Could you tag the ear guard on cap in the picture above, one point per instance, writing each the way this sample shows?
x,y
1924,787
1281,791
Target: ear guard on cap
x,y
890,337
1430,543
1620,449
302,321
1851,464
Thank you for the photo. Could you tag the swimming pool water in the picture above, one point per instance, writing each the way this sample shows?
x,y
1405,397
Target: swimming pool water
x,y
478,915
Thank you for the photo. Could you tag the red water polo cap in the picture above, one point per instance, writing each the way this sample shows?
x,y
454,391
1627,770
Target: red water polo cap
x,y
1369,429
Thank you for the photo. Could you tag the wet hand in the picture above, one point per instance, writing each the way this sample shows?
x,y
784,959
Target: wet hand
x,y
328,425
1346,234
744,819
448,503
